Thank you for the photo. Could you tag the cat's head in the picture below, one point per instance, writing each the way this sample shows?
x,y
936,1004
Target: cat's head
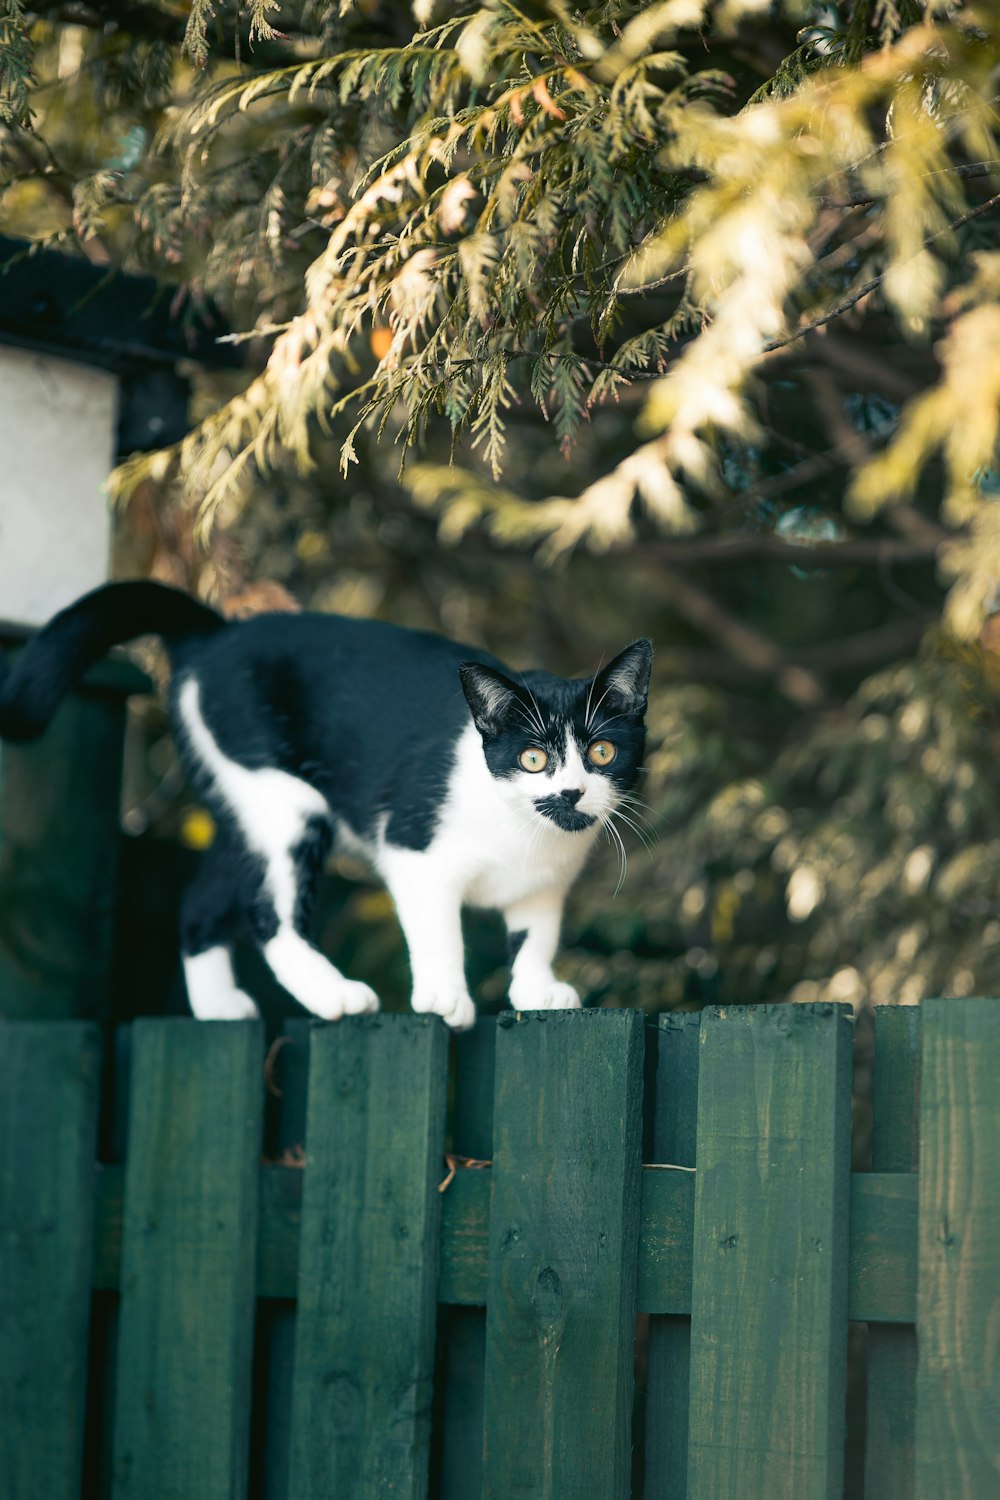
x,y
567,749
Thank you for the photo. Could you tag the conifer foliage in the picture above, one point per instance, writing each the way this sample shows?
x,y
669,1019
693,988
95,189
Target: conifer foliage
x,y
708,291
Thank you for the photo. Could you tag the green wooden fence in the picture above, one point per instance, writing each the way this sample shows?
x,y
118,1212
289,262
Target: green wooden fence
x,y
195,1320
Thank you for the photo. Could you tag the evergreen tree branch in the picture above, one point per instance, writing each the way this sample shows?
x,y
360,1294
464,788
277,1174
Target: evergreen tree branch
x,y
134,18
876,281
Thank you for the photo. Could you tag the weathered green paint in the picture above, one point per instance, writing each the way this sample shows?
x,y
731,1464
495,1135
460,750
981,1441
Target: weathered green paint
x,y
892,1351
564,1230
48,1133
882,1269
462,1330
958,1300
769,1286
59,835
188,1261
666,1242
674,1142
368,1259
465,1238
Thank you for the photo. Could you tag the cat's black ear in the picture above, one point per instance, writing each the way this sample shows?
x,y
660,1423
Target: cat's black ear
x,y
489,694
621,687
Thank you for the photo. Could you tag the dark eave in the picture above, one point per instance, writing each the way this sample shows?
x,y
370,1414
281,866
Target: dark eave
x,y
62,304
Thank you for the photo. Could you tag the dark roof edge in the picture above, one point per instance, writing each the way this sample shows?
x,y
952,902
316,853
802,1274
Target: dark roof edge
x,y
64,305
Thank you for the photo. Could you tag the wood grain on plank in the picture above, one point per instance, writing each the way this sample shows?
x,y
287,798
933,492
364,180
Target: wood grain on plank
x,y
769,1286
563,1246
958,1301
188,1274
368,1259
48,1137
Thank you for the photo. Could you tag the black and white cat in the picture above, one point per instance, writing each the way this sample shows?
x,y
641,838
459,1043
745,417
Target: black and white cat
x,y
460,782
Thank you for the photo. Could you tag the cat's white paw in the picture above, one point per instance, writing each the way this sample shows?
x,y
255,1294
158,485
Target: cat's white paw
x,y
551,995
341,997
314,981
452,1003
213,993
223,1005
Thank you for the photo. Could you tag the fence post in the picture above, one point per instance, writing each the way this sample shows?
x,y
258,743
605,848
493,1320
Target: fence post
x,y
560,1319
48,1142
189,1245
958,1288
368,1259
769,1289
59,838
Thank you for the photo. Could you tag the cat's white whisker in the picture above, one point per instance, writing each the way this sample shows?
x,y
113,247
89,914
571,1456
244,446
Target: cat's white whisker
x,y
539,722
644,841
590,694
597,706
622,854
634,801
640,818
535,727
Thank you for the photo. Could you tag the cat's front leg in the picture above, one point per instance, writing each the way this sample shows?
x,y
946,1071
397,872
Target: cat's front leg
x,y
533,933
430,914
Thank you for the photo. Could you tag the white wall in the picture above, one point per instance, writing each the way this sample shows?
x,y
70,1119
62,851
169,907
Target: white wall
x,y
57,436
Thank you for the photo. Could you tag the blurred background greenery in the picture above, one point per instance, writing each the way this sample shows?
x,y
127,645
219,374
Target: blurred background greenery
x,y
703,306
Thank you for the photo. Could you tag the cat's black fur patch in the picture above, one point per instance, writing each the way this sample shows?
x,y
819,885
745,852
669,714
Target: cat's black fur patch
x,y
562,814
310,858
515,942
281,690
227,892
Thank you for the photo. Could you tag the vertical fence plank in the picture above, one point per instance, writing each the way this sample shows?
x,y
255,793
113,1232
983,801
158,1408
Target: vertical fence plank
x,y
668,1378
769,1291
189,1243
462,1330
892,1348
563,1246
48,1140
368,1259
958,1298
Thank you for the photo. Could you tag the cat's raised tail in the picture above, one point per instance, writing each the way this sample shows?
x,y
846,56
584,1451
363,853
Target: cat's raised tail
x,y
78,636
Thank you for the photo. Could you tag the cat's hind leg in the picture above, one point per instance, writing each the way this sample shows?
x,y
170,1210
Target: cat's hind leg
x,y
284,823
210,912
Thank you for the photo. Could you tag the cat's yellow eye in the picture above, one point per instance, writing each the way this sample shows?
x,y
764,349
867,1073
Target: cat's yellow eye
x,y
601,753
533,760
